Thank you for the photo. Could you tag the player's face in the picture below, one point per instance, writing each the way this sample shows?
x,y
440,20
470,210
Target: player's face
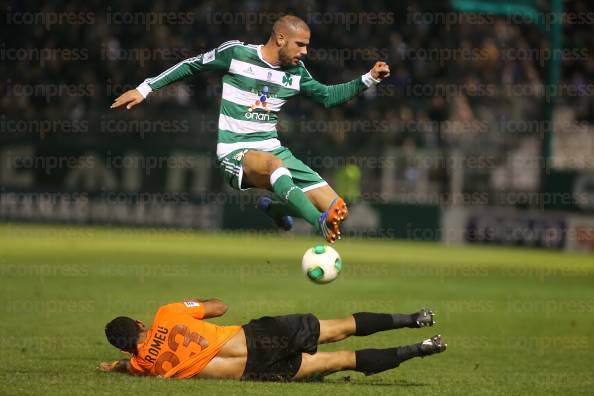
x,y
141,325
295,48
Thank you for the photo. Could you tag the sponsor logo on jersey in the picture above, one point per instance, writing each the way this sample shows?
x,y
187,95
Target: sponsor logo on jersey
x,y
260,103
257,116
191,304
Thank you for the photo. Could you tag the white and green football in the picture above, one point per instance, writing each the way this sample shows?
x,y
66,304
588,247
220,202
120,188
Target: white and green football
x,y
321,264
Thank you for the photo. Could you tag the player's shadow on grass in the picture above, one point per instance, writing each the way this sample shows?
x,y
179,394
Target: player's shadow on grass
x,y
349,381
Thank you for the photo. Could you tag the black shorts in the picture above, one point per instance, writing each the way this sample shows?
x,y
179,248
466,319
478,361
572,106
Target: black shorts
x,y
275,345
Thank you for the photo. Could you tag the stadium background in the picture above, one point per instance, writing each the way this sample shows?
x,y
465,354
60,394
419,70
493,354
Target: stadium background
x,y
459,123
453,147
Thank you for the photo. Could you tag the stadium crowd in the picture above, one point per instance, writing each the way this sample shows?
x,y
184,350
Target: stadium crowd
x,y
452,81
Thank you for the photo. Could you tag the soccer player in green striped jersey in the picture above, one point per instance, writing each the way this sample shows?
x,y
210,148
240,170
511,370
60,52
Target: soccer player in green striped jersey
x,y
257,81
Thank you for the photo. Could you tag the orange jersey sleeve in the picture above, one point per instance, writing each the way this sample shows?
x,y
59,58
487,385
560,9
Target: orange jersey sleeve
x,y
135,367
192,308
180,344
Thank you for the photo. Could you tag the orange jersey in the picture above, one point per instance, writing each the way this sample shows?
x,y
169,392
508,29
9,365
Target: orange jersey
x,y
178,343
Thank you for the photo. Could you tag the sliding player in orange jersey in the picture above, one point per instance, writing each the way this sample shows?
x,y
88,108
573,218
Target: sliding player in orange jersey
x,y
180,344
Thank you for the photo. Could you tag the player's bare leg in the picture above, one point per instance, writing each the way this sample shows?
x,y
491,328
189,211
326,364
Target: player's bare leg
x,y
335,330
321,197
258,166
366,323
367,361
323,363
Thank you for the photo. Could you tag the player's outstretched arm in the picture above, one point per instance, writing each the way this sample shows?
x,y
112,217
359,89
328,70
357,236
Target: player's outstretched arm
x,y
129,99
119,366
333,95
216,59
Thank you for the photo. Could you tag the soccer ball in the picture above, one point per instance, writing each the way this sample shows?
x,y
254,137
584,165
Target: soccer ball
x,y
321,264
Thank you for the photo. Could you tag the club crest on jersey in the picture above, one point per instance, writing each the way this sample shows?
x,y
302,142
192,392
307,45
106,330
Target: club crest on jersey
x,y
287,79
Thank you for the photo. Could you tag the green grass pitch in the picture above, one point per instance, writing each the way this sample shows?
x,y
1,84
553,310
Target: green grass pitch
x,y
516,321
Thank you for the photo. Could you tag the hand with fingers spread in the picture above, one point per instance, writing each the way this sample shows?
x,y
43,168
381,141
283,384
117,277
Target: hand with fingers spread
x,y
129,99
119,366
106,366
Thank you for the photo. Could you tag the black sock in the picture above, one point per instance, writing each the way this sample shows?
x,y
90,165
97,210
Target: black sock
x,y
368,322
403,320
373,361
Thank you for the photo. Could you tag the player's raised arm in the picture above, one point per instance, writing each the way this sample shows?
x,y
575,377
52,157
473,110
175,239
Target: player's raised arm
x,y
213,307
333,95
216,59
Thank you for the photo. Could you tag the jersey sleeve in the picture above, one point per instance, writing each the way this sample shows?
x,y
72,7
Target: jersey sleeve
x,y
330,95
134,367
192,308
217,59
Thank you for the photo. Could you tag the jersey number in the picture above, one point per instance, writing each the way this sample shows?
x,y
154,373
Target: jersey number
x,y
170,356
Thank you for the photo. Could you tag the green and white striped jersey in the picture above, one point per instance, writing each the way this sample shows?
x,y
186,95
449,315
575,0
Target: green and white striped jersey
x,y
253,92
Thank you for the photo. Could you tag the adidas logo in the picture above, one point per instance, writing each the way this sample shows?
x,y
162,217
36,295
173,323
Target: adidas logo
x,y
289,193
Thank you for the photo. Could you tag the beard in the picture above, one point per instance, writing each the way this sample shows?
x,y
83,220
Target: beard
x,y
284,58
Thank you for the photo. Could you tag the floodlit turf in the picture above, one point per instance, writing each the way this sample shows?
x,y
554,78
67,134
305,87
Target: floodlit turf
x,y
516,321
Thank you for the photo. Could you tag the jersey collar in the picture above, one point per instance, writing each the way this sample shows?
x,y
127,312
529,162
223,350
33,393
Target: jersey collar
x,y
259,51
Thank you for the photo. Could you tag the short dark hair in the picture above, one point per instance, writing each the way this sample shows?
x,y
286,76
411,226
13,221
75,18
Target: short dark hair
x,y
122,333
288,21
